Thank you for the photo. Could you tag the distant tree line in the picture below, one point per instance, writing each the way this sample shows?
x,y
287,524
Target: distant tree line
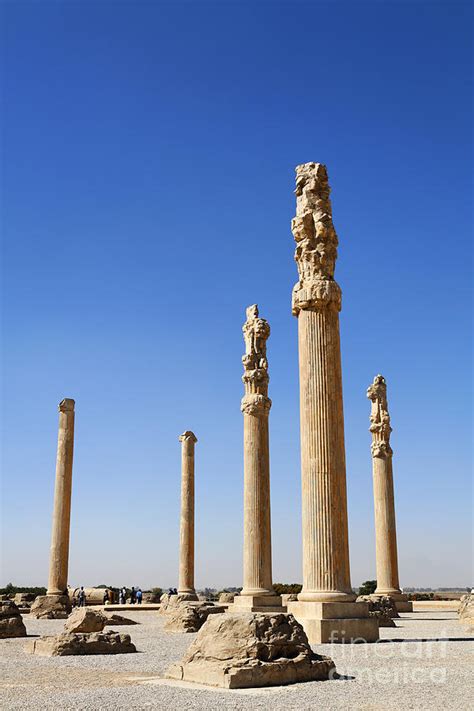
x,y
287,588
11,589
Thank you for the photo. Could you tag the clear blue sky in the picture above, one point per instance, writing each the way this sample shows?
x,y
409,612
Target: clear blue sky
x,y
148,191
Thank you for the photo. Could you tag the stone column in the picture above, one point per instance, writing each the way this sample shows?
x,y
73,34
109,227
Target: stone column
x,y
257,592
316,304
186,548
59,555
384,500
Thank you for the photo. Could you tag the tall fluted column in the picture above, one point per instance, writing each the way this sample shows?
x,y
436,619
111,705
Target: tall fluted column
x,y
186,548
255,406
59,555
384,500
316,304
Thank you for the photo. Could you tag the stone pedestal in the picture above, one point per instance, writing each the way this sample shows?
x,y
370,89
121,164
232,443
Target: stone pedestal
x,y
186,547
59,555
257,593
316,304
384,499
335,622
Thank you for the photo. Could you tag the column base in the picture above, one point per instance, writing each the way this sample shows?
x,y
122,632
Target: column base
x,y
401,601
335,622
185,595
257,603
52,607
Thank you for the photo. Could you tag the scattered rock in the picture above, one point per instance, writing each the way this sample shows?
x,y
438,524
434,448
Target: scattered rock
x,y
84,619
288,597
227,597
165,601
11,623
243,650
184,615
51,607
186,618
67,644
24,599
168,601
113,619
382,607
466,609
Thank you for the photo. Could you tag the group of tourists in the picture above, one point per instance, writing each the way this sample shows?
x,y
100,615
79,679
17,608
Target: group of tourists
x,y
79,600
136,596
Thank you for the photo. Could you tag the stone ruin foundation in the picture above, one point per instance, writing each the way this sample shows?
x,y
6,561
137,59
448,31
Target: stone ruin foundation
x,y
244,650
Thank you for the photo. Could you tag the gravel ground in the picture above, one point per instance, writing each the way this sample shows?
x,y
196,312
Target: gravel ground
x,y
399,673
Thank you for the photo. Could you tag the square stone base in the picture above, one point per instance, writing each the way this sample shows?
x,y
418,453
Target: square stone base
x,y
404,605
400,600
257,603
337,622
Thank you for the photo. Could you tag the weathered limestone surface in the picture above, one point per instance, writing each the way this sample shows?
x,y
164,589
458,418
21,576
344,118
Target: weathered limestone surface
x,y
316,304
186,550
227,597
52,607
466,609
243,650
184,614
59,556
67,644
24,599
384,499
381,607
83,619
189,616
258,590
167,601
11,623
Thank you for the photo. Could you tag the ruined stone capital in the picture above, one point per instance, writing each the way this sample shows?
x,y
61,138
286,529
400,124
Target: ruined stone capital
x,y
316,242
66,405
316,294
188,435
256,405
381,449
379,418
256,332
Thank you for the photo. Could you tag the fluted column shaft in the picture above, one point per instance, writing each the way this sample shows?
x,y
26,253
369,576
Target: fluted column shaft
x,y
59,553
385,527
257,527
186,548
326,572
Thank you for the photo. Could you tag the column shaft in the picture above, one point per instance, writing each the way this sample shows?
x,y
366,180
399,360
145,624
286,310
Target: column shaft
x,y
59,554
326,572
385,527
186,549
257,533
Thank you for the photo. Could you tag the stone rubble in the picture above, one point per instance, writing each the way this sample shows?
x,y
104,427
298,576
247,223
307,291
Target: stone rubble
x,y
243,650
11,622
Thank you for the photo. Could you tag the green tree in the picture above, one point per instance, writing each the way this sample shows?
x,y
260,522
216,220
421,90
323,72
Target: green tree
x,y
287,588
368,588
